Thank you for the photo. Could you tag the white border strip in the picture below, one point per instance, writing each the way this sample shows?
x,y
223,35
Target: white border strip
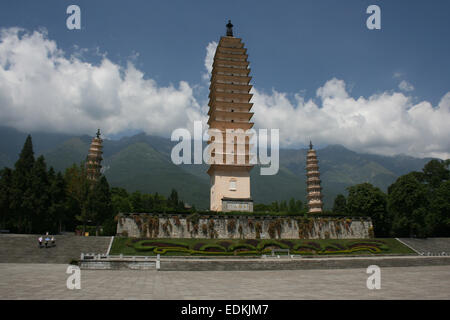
x,y
408,246
110,245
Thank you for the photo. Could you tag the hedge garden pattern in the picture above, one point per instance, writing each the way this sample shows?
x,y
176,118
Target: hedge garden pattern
x,y
254,247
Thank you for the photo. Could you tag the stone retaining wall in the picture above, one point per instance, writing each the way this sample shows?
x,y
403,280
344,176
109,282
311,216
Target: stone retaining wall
x,y
300,264
245,227
245,264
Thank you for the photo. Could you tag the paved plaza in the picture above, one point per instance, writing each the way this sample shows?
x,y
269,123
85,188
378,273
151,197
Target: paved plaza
x,y
48,281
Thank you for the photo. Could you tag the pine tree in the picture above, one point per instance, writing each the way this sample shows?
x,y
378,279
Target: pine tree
x,y
147,202
21,191
99,203
136,202
275,206
299,205
40,219
78,187
283,206
57,193
26,158
5,197
172,201
292,207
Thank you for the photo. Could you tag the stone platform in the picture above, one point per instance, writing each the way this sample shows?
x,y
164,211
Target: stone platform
x,y
272,263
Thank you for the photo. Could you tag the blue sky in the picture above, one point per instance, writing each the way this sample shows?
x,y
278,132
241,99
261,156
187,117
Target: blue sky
x,y
294,47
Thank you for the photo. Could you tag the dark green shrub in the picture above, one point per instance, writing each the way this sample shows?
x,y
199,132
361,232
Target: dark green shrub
x,y
241,246
266,243
225,244
212,246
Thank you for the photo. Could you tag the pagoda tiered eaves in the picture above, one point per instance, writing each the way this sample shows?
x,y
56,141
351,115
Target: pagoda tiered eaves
x,y
314,190
94,158
229,92
229,112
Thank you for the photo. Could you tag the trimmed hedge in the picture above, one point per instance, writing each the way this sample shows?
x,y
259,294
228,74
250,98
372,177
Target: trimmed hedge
x,y
253,247
149,245
212,246
265,243
241,246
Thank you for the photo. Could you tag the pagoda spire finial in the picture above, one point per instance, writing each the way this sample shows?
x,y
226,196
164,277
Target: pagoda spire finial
x,y
229,29
98,133
310,145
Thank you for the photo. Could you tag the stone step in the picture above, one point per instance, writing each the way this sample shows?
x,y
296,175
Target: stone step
x,y
20,248
428,246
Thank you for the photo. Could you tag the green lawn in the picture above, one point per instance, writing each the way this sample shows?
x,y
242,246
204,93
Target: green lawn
x,y
252,247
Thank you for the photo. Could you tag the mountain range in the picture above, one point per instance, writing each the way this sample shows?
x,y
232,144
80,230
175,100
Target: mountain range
x,y
142,162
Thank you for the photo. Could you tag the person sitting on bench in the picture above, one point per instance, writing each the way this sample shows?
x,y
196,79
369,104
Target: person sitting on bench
x,y
40,241
53,241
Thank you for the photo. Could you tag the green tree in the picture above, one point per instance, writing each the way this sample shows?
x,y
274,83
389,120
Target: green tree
x,y
435,172
292,208
137,204
365,199
147,202
275,207
78,187
299,206
5,197
21,191
340,204
160,203
440,207
283,206
172,200
58,201
99,203
261,207
40,218
120,200
407,201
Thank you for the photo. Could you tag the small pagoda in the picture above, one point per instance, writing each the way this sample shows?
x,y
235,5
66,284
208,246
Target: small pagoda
x,y
313,189
229,117
94,158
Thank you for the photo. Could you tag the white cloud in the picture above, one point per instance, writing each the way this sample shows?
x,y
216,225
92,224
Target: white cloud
x,y
42,89
209,59
405,86
387,123
333,89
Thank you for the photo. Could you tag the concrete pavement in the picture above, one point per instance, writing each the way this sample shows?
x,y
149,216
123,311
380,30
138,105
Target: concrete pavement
x,y
48,281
